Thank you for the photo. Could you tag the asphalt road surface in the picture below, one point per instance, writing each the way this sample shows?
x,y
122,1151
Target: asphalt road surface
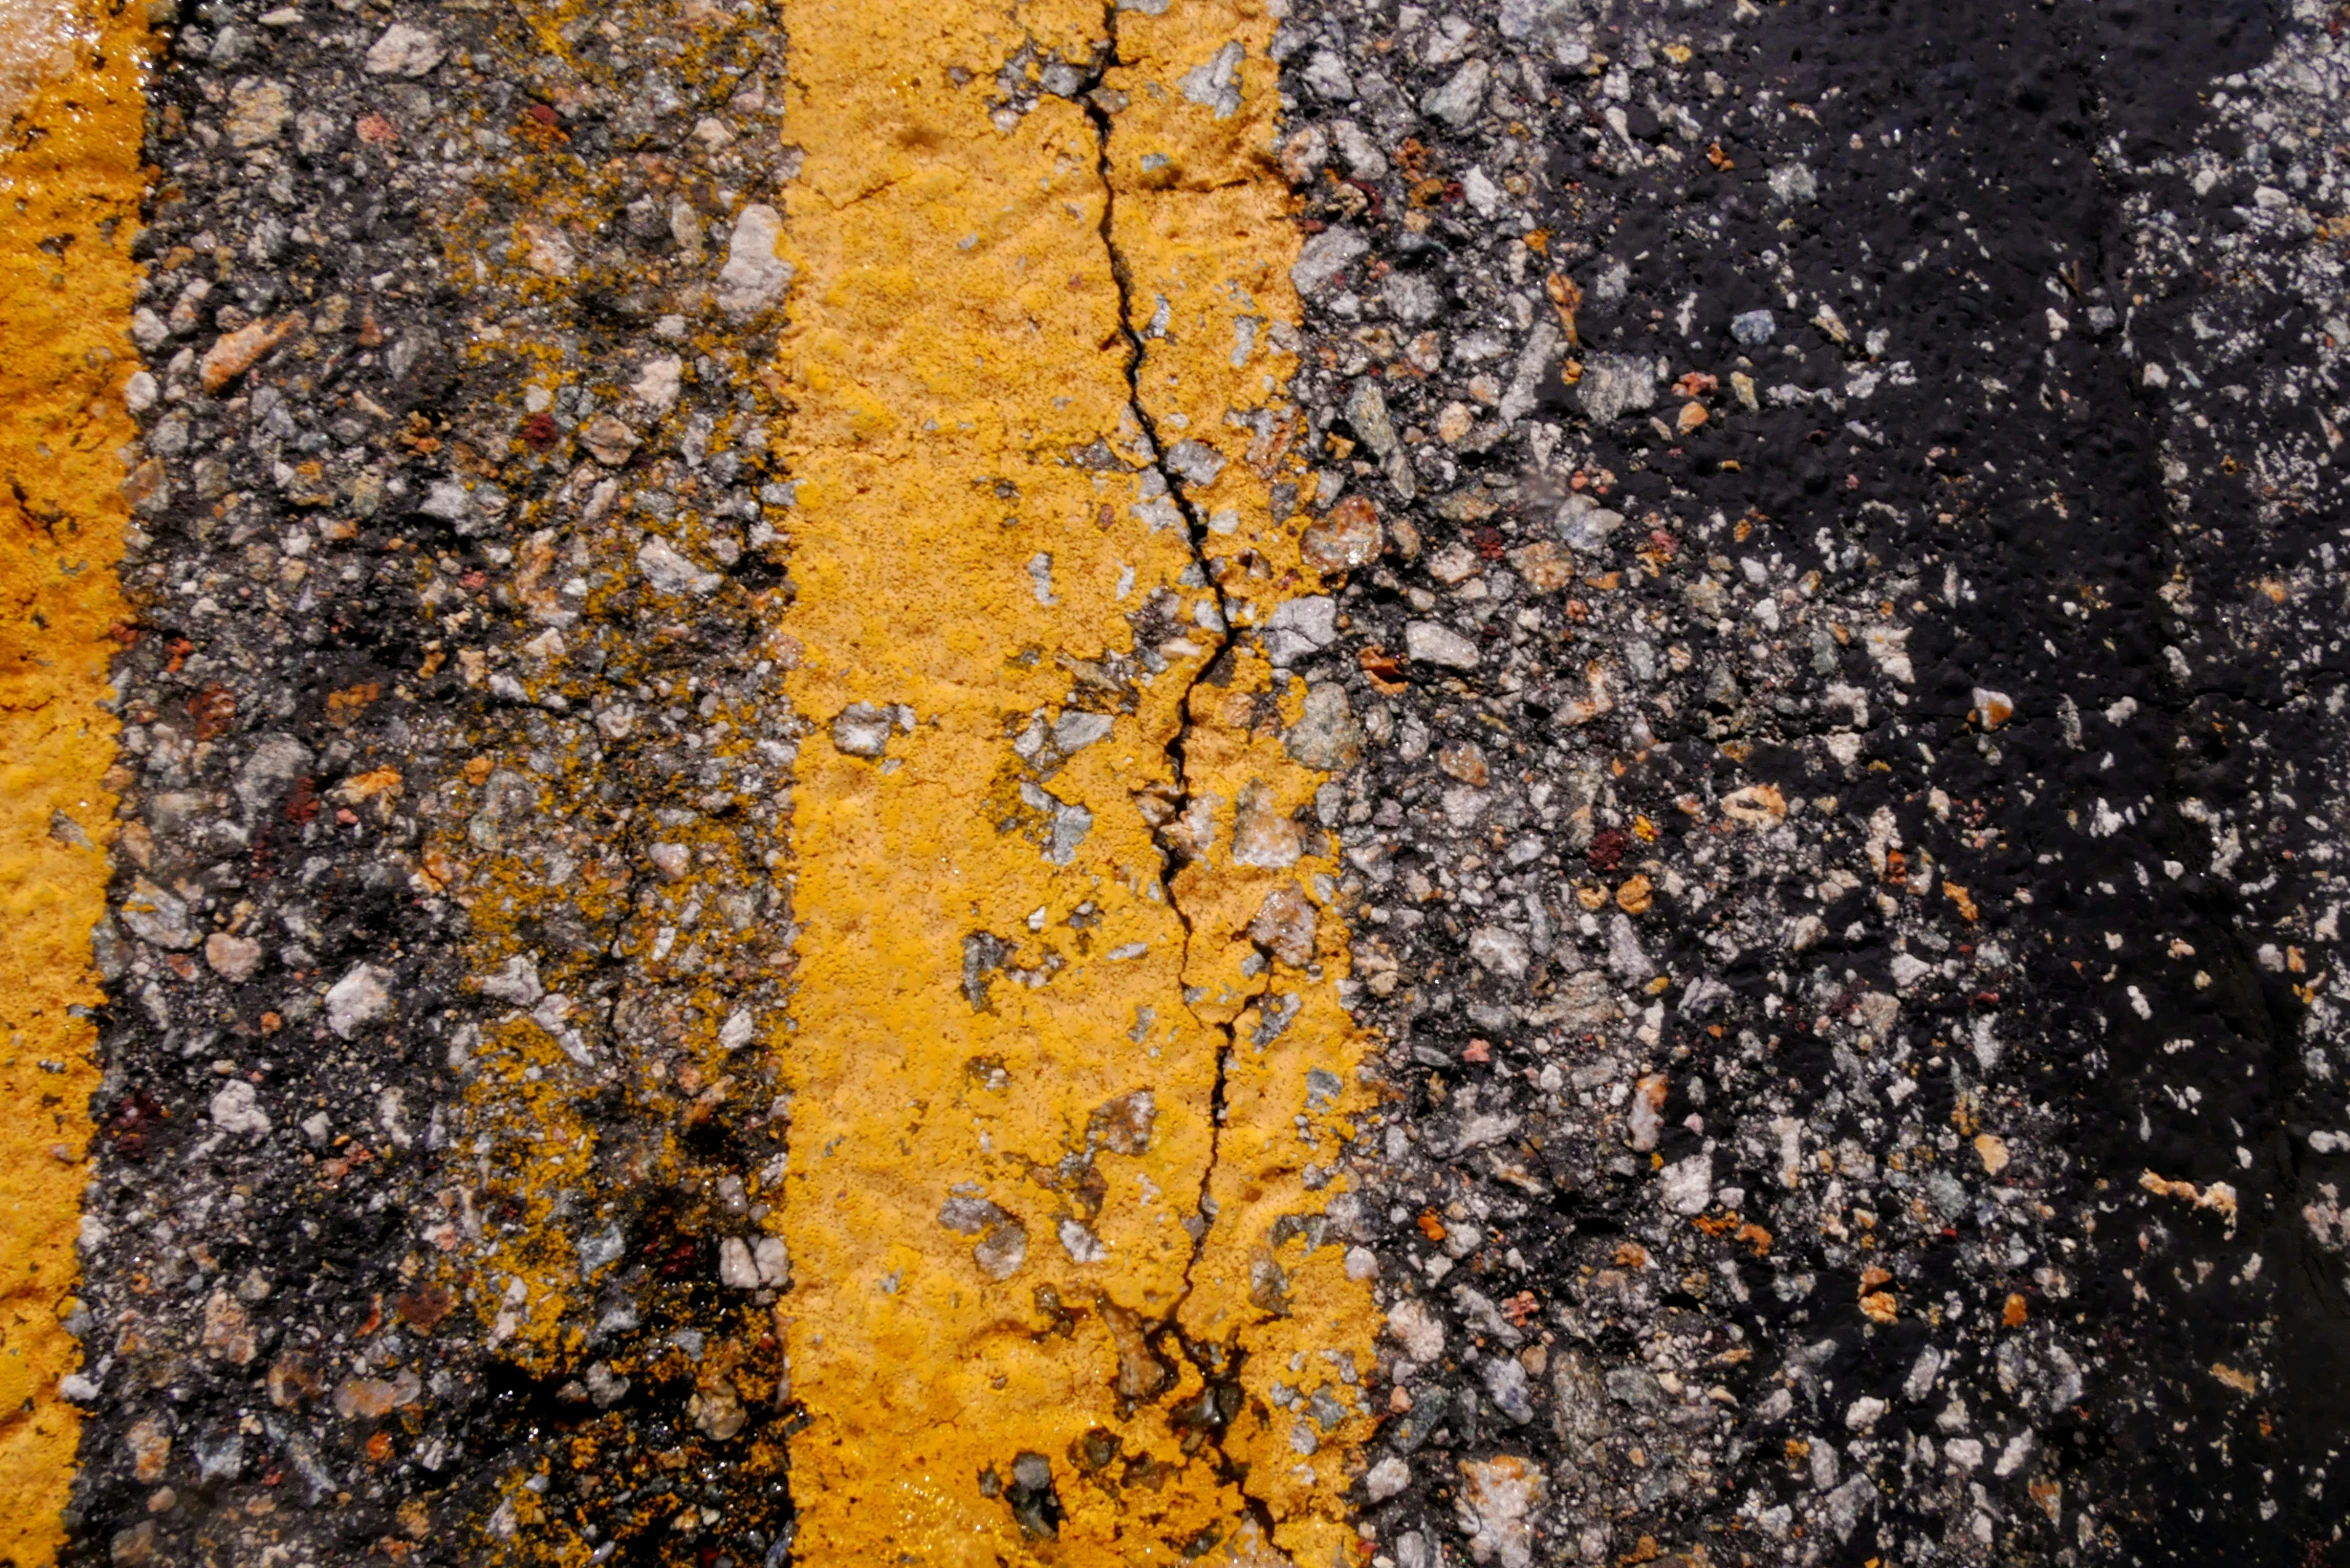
x,y
1556,782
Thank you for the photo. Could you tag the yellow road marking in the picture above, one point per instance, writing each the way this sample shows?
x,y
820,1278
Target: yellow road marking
x,y
1010,1034
69,193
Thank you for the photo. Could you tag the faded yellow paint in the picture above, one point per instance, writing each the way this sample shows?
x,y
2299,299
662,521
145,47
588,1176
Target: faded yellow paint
x,y
997,1241
570,1140
69,194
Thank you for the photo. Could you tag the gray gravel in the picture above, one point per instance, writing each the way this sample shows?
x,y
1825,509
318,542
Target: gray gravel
x,y
1843,847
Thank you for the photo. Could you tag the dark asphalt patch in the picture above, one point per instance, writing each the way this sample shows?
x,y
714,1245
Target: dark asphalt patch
x,y
1987,511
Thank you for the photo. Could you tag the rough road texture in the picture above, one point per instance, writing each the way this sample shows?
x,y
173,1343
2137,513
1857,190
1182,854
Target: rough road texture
x,y
1838,513
417,808
1848,859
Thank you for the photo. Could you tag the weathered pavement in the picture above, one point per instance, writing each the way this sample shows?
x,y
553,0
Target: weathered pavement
x,y
1551,783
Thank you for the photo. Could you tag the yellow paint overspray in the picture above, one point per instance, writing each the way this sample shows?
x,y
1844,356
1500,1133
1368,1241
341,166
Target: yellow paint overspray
x,y
69,195
990,1238
563,1142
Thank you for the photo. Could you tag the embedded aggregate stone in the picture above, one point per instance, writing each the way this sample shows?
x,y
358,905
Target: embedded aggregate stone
x,y
1860,1049
439,512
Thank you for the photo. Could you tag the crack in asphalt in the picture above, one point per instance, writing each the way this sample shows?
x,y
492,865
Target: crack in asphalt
x,y
1203,1360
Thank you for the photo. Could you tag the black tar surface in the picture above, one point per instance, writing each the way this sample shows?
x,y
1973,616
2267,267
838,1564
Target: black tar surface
x,y
1973,228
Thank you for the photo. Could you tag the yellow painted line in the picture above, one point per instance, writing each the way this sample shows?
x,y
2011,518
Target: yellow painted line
x,y
69,194
1010,1033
